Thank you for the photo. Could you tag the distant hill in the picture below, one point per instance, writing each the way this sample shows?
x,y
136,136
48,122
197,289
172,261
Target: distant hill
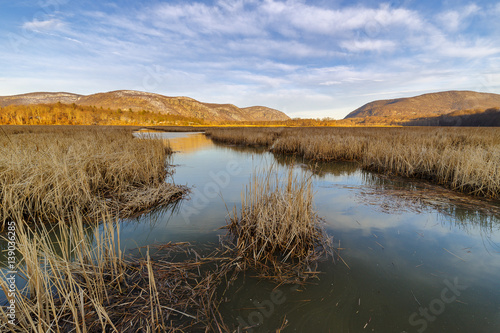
x,y
143,101
427,105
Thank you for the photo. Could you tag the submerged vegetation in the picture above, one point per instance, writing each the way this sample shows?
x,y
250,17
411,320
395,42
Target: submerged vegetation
x,y
463,159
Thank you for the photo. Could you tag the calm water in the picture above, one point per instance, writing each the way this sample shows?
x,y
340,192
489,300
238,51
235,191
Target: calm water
x,y
420,258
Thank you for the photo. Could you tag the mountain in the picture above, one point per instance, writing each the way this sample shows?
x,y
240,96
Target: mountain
x,y
39,98
139,101
427,105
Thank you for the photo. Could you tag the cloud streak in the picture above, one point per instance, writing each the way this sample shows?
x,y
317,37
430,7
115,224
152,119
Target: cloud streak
x,y
45,25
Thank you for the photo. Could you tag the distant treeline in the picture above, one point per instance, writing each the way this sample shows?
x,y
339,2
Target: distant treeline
x,y
473,118
72,114
318,122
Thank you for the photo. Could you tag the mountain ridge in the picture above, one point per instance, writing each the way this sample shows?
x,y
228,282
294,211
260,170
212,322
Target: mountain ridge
x,y
427,105
139,101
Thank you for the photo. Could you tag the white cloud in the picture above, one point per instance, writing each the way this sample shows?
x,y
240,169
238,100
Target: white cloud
x,y
368,45
289,18
265,80
462,48
46,25
454,20
465,50
330,83
279,48
197,18
313,19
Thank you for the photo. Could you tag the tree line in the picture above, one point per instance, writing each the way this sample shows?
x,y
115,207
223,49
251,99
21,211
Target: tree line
x,y
72,114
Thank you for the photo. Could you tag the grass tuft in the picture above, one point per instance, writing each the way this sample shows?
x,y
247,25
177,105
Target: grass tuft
x,y
277,230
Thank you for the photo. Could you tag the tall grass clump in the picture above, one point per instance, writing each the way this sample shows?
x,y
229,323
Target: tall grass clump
x,y
277,231
54,174
78,280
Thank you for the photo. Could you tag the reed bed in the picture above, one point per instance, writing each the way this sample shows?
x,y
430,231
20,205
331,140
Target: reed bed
x,y
53,173
82,282
77,278
463,159
262,136
277,232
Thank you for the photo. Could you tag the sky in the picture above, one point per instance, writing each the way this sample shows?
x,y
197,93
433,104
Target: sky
x,y
310,59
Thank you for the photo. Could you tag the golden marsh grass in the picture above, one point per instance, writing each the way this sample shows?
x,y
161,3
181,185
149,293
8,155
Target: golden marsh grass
x,y
81,180
254,136
463,159
82,282
52,174
277,231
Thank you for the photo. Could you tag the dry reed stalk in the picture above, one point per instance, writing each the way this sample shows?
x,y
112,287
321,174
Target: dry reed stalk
x,y
78,280
277,231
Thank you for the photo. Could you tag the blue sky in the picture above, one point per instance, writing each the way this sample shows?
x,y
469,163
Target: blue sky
x,y
307,58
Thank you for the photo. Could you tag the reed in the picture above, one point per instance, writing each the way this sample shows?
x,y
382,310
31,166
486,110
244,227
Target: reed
x,y
463,159
52,174
78,280
262,136
277,231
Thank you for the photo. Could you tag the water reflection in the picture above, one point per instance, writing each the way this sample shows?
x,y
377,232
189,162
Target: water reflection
x,y
402,239
55,235
399,195
319,169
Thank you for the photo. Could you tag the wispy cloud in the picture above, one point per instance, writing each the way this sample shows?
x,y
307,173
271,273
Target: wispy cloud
x,y
369,45
453,20
44,25
314,19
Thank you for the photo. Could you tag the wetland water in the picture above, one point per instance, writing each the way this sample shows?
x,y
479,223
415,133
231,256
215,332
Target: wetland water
x,y
421,258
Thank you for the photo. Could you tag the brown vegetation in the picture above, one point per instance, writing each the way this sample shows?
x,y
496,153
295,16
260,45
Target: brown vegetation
x,y
277,231
78,279
54,174
72,114
264,136
81,282
464,159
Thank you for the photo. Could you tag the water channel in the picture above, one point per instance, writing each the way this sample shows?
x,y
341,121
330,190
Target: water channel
x,y
418,258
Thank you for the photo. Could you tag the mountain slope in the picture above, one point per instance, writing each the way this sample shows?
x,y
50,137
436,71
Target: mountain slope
x,y
139,101
39,98
427,105
261,112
